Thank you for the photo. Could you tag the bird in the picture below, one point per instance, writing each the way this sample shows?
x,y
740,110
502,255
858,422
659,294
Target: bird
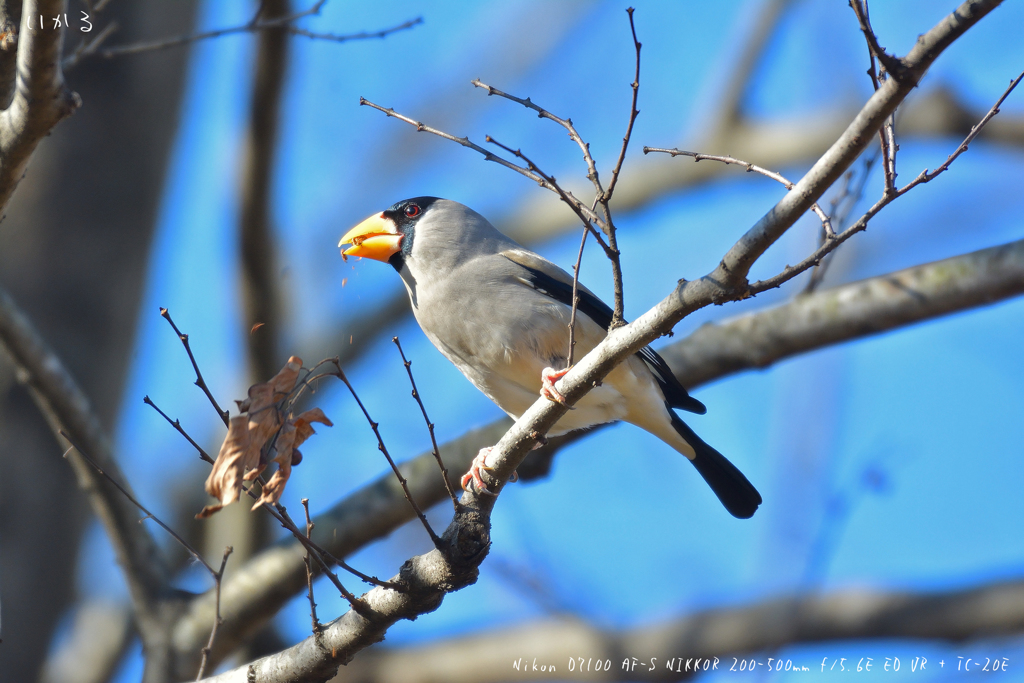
x,y
500,313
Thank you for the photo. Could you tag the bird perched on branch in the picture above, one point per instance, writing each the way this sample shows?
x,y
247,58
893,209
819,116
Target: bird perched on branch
x,y
500,313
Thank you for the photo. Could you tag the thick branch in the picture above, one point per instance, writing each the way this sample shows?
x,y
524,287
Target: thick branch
x,y
259,274
990,610
100,632
65,407
40,99
851,311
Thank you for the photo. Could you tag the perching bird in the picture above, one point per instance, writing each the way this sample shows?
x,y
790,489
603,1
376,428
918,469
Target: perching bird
x,y
500,313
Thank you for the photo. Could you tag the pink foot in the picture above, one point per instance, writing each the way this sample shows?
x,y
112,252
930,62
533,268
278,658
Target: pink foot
x,y
473,475
548,377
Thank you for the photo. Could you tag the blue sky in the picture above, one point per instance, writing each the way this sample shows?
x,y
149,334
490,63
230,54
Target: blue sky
x,y
934,410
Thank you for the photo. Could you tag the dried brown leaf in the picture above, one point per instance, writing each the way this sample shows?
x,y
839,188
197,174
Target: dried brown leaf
x,y
235,456
285,445
303,424
242,457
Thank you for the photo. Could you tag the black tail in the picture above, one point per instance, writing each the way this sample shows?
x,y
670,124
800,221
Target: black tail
x,y
737,494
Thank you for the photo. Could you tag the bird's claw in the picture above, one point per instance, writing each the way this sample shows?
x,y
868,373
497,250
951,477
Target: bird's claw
x,y
473,475
548,377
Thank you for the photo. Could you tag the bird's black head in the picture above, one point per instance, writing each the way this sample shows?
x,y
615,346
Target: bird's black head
x,y
405,214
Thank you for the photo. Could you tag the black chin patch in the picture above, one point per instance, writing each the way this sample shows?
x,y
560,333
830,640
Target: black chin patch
x,y
397,259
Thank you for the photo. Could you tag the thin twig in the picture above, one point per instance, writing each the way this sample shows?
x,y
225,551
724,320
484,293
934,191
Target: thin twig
x,y
889,149
488,156
139,505
892,65
849,195
362,35
252,25
886,136
200,382
430,425
589,229
311,378
925,176
383,449
279,513
826,222
322,556
575,299
618,313
203,455
85,48
592,173
218,579
317,627
581,210
603,196
872,71
633,113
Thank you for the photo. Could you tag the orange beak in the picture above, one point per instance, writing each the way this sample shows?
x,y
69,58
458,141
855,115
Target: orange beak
x,y
375,238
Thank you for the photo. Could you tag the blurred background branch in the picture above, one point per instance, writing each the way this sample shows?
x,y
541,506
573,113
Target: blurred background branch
x,y
662,650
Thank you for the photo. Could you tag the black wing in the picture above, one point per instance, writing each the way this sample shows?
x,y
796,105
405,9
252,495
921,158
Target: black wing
x,y
601,313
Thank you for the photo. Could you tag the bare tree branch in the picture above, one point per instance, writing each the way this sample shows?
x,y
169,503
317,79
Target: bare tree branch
x,y
490,156
285,22
849,312
218,577
362,35
40,100
729,112
200,382
375,427
826,223
142,508
771,144
100,633
260,295
989,610
64,405
317,627
430,426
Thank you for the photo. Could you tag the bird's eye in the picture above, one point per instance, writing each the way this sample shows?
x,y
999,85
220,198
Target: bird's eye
x,y
412,211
